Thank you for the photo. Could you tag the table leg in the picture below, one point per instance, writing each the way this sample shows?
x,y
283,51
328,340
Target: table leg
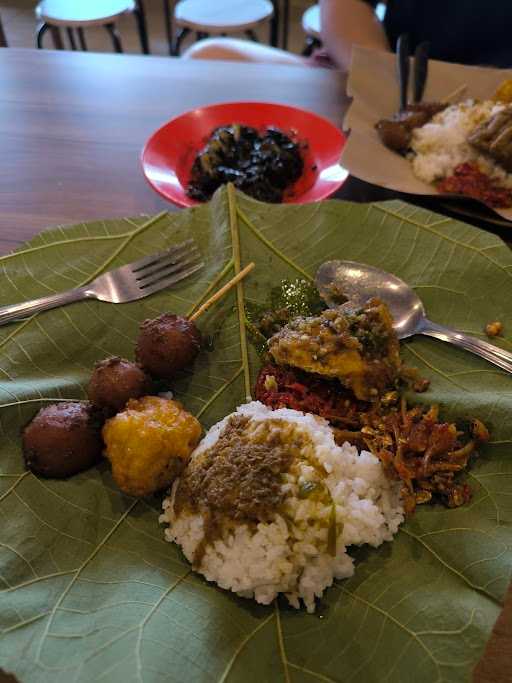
x,y
116,40
140,17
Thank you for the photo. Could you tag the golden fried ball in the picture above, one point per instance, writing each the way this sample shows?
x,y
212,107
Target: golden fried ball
x,y
149,443
167,344
114,381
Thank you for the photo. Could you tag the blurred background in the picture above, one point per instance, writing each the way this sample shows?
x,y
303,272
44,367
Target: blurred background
x,y
19,21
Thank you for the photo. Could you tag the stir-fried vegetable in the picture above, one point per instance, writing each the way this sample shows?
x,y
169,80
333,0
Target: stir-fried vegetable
x,y
263,165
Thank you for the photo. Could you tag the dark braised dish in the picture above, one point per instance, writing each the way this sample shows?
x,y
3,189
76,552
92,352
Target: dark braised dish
x,y
263,165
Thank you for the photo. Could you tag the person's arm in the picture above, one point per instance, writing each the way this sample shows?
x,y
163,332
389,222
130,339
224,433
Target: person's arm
x,y
346,23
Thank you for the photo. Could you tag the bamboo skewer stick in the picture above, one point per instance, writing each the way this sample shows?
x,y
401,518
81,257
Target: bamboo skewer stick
x,y
455,94
223,290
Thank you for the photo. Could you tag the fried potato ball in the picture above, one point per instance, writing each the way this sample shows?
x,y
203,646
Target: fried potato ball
x,y
167,344
149,443
63,439
114,381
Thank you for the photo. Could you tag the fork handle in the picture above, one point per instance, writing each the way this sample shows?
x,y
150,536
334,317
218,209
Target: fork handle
x,y
17,311
492,354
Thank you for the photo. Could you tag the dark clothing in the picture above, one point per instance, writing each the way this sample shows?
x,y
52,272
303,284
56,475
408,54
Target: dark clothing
x,y
465,31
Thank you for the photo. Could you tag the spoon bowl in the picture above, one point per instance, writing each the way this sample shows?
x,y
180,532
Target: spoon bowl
x,y
342,281
359,282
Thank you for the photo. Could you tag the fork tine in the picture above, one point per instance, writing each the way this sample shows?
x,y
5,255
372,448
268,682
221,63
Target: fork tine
x,y
150,260
172,268
167,282
165,262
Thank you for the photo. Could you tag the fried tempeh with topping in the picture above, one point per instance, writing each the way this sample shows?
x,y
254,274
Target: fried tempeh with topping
x,y
357,346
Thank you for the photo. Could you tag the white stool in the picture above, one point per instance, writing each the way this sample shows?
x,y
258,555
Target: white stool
x,y
311,27
219,17
81,14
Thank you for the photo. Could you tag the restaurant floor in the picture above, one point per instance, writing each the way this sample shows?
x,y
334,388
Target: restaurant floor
x,y
19,24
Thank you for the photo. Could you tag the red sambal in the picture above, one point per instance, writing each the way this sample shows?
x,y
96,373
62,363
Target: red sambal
x,y
467,179
279,387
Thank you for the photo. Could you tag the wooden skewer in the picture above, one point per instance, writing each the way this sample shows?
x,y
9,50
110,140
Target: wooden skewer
x,y
455,94
218,295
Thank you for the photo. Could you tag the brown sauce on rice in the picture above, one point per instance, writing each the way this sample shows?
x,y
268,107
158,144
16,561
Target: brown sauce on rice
x,y
239,478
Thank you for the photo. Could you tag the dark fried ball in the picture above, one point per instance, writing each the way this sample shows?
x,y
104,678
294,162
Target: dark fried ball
x,y
114,381
394,134
63,439
167,344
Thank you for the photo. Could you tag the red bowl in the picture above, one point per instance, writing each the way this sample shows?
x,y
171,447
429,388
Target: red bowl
x,y
169,153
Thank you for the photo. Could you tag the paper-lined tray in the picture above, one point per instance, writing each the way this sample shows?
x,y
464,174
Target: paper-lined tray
x,y
373,85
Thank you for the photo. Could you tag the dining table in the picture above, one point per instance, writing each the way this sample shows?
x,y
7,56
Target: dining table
x,y
72,127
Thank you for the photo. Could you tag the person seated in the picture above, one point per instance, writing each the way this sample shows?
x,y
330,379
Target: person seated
x,y
464,31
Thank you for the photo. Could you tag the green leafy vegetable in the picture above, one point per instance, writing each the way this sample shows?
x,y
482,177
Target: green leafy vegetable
x,y
307,488
90,590
289,299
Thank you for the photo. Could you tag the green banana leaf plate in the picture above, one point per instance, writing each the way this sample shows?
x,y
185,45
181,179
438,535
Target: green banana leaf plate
x,y
89,589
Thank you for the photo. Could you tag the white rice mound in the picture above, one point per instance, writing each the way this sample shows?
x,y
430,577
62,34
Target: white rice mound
x,y
441,145
290,554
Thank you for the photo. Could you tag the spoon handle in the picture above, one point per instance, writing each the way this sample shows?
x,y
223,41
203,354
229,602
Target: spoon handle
x,y
491,353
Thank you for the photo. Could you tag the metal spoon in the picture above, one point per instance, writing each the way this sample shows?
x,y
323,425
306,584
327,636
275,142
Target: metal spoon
x,y
359,282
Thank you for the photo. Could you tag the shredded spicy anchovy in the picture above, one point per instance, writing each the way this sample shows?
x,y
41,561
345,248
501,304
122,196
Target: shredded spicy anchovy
x,y
413,444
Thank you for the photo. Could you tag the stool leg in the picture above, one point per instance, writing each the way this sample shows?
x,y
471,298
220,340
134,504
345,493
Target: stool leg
x,y
286,22
116,40
3,40
40,31
140,18
71,37
81,38
57,38
311,44
180,36
168,24
308,47
250,34
274,24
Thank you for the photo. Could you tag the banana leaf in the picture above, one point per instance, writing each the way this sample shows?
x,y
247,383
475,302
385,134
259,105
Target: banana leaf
x,y
90,591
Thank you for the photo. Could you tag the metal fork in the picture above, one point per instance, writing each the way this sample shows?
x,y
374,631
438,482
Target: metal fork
x,y
128,283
